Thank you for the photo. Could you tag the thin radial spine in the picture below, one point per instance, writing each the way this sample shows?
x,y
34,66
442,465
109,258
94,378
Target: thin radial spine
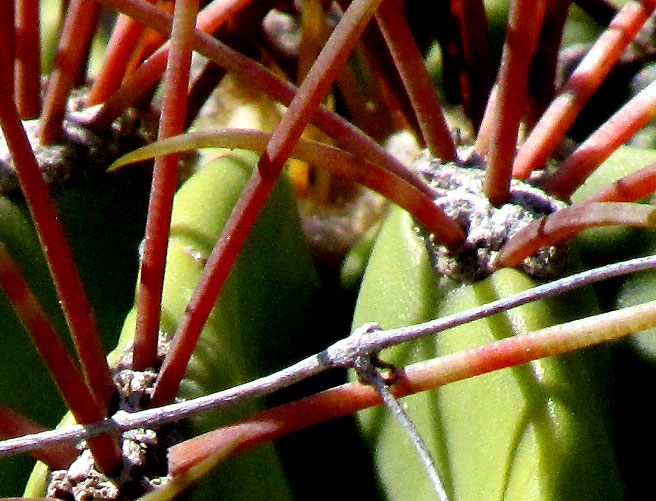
x,y
318,363
507,109
323,156
418,83
630,188
256,192
74,301
475,46
28,59
121,45
350,137
77,32
587,77
76,393
8,34
615,132
147,74
567,222
56,456
373,377
422,376
544,66
165,176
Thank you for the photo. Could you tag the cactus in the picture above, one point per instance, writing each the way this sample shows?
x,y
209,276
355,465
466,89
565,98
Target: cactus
x,y
511,127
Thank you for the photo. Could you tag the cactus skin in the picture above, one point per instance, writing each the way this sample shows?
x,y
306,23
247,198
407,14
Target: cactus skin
x,y
18,234
104,218
536,431
263,313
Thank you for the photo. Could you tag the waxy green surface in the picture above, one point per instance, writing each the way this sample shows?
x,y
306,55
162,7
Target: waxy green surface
x,y
536,431
262,311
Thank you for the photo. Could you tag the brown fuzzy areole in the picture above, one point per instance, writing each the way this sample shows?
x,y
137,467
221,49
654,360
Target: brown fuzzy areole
x,y
144,465
487,227
78,147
